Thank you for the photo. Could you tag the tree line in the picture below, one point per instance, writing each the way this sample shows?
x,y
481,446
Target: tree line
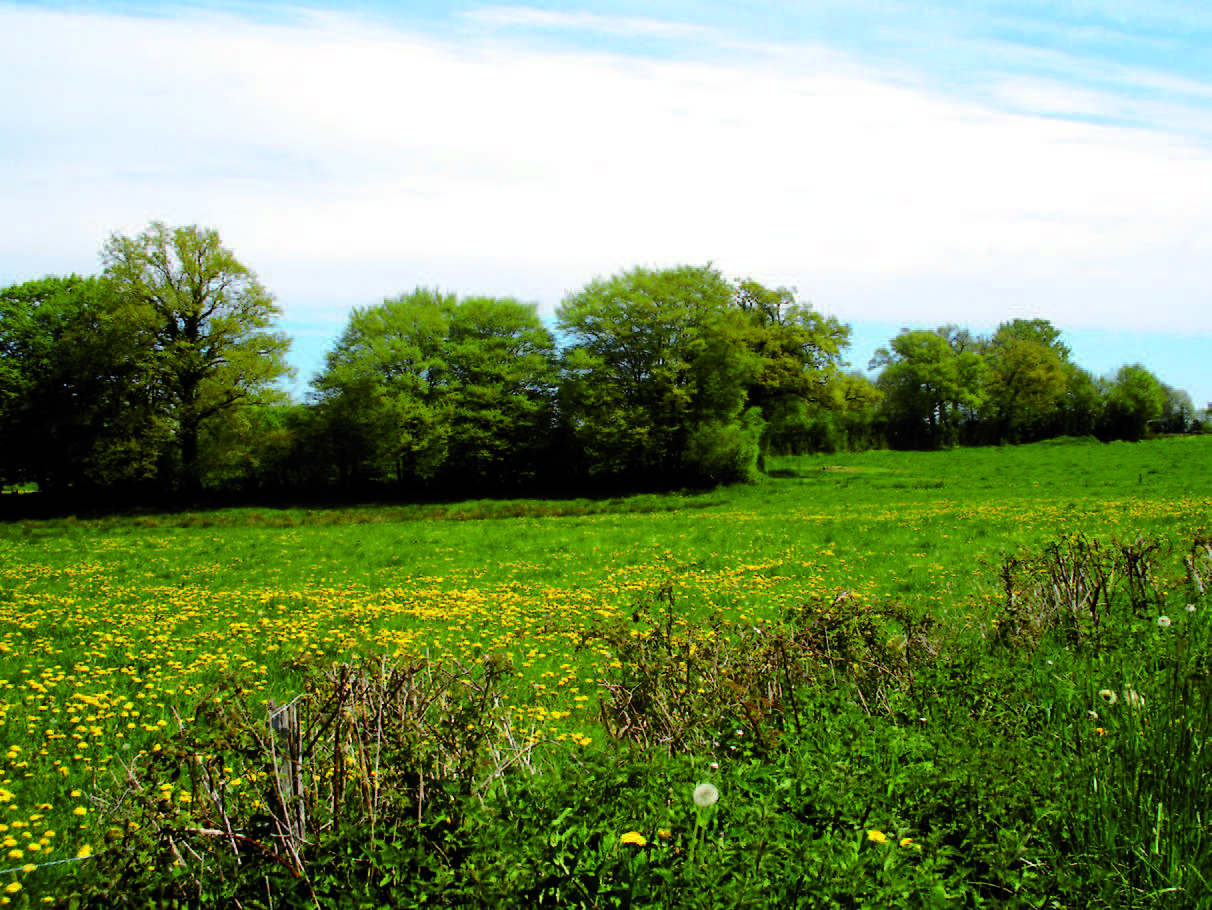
x,y
162,374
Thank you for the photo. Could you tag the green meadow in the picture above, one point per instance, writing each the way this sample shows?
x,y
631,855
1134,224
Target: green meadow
x,y
967,678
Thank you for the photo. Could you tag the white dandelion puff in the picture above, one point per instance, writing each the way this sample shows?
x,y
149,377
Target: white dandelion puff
x,y
706,795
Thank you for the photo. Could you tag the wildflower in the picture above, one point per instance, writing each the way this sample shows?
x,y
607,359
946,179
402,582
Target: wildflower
x,y
1100,731
12,887
1190,608
1163,621
1108,696
84,852
79,810
634,837
877,837
706,795
664,833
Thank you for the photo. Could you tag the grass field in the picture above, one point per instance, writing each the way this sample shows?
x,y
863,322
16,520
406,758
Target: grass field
x,y
114,629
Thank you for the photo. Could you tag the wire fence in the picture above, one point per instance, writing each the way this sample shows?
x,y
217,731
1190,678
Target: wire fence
x,y
30,867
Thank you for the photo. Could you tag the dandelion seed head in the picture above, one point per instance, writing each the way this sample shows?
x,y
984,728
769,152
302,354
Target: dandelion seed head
x,y
1163,621
706,795
1108,696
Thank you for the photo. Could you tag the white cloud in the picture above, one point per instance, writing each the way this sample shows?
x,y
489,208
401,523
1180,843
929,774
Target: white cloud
x,y
342,153
530,17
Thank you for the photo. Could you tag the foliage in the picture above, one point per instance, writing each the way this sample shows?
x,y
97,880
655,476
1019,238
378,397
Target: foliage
x,y
932,384
1134,398
900,764
161,374
656,377
78,407
1026,378
898,712
425,386
800,355
204,324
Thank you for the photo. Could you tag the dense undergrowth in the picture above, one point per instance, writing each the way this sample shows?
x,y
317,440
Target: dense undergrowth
x,y
852,752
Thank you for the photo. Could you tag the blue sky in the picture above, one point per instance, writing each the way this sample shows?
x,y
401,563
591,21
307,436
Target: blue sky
x,y
899,163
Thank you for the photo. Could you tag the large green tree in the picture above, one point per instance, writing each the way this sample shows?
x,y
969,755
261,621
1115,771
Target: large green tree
x,y
656,377
78,407
1026,379
1134,398
502,367
208,324
932,382
425,387
805,400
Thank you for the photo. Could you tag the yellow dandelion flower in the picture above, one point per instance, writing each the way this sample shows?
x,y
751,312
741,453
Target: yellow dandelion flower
x,y
877,837
84,852
12,887
634,837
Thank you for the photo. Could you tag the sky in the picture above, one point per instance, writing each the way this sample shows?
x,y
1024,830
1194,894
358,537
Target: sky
x,y
900,163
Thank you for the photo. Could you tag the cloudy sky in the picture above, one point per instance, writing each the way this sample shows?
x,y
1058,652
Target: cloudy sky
x,y
899,162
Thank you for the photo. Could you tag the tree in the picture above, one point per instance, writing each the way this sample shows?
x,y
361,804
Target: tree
x,y
1040,331
932,382
1134,397
501,361
800,354
656,379
77,406
207,322
1079,410
381,395
1178,411
425,387
1026,378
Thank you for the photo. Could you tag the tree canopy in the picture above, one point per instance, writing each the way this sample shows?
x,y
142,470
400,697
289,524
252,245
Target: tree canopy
x,y
656,375
205,323
425,386
163,372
